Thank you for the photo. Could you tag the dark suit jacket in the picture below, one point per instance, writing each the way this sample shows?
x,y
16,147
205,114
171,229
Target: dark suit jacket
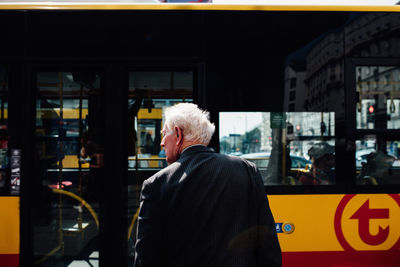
x,y
206,209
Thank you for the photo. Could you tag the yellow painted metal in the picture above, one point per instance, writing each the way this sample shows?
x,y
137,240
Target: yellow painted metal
x,y
156,113
135,216
54,113
189,6
9,225
5,114
313,218
72,162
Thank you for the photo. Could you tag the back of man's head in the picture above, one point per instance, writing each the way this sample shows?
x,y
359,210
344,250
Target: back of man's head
x,y
194,122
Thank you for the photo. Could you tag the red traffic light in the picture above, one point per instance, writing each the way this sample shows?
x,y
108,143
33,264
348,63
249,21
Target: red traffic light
x,y
371,109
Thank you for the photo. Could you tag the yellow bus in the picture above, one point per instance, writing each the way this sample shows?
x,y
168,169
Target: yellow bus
x,y
83,87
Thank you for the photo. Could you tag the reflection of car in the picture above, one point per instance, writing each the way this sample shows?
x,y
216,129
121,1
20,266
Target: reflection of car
x,y
261,160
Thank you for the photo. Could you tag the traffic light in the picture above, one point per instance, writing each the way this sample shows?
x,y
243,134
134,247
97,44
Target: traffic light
x,y
371,113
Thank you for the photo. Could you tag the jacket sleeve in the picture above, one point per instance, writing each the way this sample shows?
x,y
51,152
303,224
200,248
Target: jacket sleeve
x,y
148,235
268,249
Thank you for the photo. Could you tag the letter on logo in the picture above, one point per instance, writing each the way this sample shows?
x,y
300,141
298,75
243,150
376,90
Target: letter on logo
x,y
363,215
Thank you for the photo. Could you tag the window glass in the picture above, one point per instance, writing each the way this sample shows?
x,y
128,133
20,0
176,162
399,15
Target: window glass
x,y
289,148
149,123
378,109
292,96
293,82
377,163
149,94
68,167
378,92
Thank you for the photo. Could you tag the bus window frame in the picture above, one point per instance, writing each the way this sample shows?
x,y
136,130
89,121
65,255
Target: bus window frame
x,y
344,141
356,134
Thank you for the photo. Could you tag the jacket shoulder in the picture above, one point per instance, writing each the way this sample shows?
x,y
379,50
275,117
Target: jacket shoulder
x,y
162,175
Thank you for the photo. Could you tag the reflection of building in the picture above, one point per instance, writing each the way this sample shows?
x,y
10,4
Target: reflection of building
x,y
266,132
309,123
294,85
231,144
378,88
375,35
324,74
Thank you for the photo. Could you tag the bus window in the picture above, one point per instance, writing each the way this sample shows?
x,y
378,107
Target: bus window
x,y
288,148
378,113
378,102
375,166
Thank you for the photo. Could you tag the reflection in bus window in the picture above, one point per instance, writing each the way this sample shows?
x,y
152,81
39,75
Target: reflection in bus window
x,y
148,125
375,166
289,148
378,110
68,161
378,91
149,94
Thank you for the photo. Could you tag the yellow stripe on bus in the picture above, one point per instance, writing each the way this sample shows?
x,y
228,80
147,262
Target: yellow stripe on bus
x,y
190,6
9,225
313,219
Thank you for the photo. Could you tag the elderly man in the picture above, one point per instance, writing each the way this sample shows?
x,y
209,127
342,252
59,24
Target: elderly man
x,y
205,209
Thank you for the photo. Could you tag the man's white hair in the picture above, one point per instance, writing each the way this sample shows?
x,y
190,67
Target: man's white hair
x,y
194,122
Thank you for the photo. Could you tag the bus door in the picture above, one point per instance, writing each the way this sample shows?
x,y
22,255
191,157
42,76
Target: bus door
x,y
66,186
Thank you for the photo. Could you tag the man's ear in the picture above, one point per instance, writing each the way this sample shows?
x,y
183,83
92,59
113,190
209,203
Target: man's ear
x,y
179,135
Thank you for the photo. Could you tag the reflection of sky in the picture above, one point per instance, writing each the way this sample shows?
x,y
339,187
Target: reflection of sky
x,y
238,122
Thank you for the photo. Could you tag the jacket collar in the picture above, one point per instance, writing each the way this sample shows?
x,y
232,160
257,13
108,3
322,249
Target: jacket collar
x,y
195,149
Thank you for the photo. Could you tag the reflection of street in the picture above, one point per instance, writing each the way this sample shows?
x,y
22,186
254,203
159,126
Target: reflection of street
x,y
77,240
277,136
305,127
298,166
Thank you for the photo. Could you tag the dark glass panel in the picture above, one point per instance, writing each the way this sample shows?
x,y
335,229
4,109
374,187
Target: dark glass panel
x,y
69,167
